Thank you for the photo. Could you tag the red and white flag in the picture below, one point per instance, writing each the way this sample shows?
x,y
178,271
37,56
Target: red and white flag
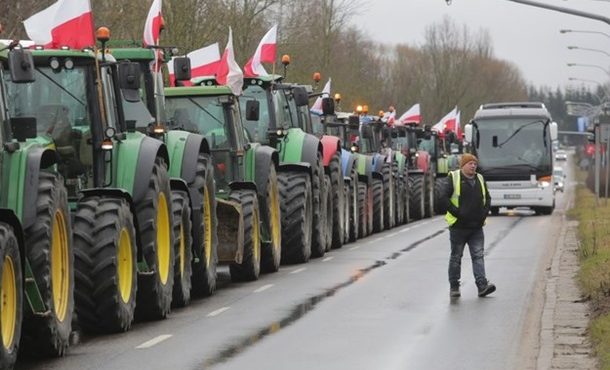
x,y
412,115
265,53
317,105
389,118
229,72
204,62
65,23
454,125
447,121
154,24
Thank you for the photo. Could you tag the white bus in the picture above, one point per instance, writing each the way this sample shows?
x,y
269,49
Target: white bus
x,y
513,142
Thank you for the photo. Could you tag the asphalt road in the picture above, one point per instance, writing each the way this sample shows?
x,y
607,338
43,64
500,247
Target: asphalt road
x,y
380,303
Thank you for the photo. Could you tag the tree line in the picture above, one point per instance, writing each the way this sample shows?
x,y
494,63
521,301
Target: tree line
x,y
453,66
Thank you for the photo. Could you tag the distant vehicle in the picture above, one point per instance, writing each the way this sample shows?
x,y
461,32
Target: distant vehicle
x,y
559,177
561,155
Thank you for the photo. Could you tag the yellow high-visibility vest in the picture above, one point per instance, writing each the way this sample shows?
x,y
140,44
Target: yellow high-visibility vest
x,y
455,197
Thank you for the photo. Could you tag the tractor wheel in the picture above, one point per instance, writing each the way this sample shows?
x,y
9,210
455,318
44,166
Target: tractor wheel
x,y
378,206
417,196
429,196
329,213
297,217
399,200
11,290
439,187
388,197
249,268
51,256
272,221
406,197
183,248
337,201
362,210
205,241
105,264
319,240
353,207
154,214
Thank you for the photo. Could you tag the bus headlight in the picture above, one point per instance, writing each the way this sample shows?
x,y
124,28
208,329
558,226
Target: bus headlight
x,y
544,181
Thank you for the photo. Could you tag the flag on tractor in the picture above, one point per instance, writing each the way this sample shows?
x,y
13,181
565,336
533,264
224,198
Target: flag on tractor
x,y
204,62
317,105
412,115
265,53
229,72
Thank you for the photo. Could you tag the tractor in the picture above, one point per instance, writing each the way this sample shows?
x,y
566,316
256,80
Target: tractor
x,y
247,189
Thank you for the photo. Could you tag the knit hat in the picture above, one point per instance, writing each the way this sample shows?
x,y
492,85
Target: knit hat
x,y
467,157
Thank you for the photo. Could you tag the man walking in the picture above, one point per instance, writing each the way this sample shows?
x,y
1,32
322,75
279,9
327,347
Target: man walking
x,y
468,203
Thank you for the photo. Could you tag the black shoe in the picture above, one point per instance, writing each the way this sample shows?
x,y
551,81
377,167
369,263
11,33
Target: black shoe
x,y
454,292
487,289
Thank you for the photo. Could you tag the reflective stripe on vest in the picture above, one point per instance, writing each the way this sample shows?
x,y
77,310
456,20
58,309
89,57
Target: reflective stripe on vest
x,y
455,197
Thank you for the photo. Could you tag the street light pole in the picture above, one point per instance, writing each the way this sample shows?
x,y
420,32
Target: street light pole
x,y
589,49
585,31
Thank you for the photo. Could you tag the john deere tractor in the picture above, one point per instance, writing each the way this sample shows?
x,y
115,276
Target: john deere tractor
x,y
247,187
304,186
118,184
191,175
36,250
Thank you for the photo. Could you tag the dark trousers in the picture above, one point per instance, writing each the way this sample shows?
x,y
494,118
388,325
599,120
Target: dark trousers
x,y
476,241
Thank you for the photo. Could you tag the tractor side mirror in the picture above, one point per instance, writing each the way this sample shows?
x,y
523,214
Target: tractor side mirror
x,y
301,97
252,110
21,65
328,106
129,80
182,68
353,120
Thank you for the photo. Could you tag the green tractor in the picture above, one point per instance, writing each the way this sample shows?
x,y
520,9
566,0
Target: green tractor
x,y
118,185
36,250
192,177
247,188
304,186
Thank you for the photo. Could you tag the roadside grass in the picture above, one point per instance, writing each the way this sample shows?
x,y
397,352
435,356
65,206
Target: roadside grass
x,y
594,273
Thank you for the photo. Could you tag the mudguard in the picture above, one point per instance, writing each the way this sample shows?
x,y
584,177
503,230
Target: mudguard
x,y
301,167
264,158
401,161
184,148
134,160
423,160
330,146
378,162
365,168
348,161
242,185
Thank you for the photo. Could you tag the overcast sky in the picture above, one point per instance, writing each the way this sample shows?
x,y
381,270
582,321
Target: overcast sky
x,y
525,35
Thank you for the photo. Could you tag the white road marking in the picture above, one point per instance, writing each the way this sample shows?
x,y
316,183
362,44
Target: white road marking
x,y
403,230
391,235
218,311
298,270
375,240
353,248
154,341
327,259
263,288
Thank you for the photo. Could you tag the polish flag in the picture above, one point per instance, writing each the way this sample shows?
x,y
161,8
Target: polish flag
x,y
317,105
154,24
65,23
389,118
229,72
454,125
411,116
204,62
265,53
447,122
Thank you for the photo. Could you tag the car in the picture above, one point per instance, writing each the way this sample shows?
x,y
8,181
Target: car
x,y
559,177
561,155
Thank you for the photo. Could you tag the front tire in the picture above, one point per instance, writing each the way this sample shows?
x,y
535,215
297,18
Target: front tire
x,y
249,268
11,290
337,201
297,217
272,220
183,248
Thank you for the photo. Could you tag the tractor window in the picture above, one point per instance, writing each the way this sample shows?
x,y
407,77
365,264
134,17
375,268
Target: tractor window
x,y
110,101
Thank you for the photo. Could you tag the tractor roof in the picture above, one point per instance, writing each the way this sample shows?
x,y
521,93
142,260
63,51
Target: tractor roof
x,y
262,80
197,91
133,54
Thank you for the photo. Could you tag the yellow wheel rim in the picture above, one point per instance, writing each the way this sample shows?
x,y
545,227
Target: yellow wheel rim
x,y
182,251
125,266
256,237
8,316
276,231
60,266
163,238
207,227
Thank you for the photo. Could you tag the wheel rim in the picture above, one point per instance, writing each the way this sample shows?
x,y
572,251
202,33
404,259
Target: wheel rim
x,y
125,265
182,250
8,316
60,266
276,231
163,238
207,225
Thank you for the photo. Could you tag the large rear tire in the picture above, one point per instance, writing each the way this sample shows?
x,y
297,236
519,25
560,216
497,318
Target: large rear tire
x,y
417,195
249,268
363,226
154,214
440,184
51,256
319,190
378,206
388,197
272,221
429,196
297,217
205,221
105,264
11,291
353,207
337,197
183,248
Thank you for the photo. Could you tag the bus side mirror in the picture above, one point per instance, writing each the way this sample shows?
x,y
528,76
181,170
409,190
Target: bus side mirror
x,y
21,65
182,68
252,110
468,132
553,128
328,106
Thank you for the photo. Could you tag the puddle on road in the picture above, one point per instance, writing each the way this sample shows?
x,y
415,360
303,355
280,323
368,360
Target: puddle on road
x,y
303,308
